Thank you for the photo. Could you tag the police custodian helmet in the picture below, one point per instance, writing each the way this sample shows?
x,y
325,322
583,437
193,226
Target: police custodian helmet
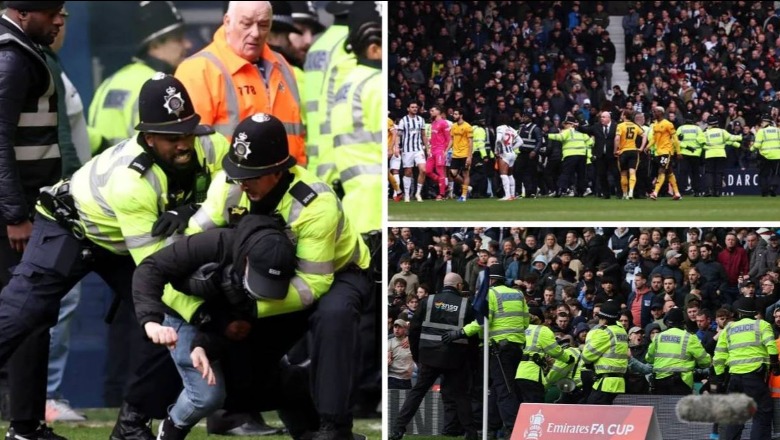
x,y
259,147
165,107
157,18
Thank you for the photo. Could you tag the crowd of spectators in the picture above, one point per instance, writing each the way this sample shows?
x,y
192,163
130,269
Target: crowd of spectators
x,y
693,58
569,273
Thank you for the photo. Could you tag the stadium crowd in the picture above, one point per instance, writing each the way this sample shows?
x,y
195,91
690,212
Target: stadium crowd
x,y
708,64
656,279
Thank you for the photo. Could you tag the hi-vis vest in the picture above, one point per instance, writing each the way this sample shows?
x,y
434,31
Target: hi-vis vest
x,y
326,241
114,109
607,349
676,351
768,142
540,342
688,135
715,141
508,316
573,142
562,369
227,89
526,133
480,143
322,56
744,346
120,193
774,381
357,144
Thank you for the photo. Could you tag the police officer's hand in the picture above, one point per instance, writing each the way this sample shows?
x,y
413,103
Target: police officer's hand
x,y
161,335
237,330
201,363
452,335
173,221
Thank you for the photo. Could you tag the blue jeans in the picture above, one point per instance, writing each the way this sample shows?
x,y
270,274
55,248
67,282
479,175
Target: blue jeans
x,y
59,346
198,399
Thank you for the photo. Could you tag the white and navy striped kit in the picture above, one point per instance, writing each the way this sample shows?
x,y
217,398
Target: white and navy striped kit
x,y
411,128
506,136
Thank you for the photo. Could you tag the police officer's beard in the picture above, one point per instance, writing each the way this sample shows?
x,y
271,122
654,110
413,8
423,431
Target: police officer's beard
x,y
267,205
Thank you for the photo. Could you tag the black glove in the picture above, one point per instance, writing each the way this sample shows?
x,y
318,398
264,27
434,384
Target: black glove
x,y
242,307
453,335
174,221
571,360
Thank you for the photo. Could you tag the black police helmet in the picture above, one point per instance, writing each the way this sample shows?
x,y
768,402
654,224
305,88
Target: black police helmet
x,y
155,20
496,272
259,147
165,107
283,18
304,12
674,317
365,26
339,8
746,306
713,121
609,310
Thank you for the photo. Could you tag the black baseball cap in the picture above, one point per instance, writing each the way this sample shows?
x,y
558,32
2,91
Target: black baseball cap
x,y
270,266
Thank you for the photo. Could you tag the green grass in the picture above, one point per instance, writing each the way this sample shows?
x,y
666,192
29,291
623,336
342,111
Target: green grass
x,y
100,422
590,209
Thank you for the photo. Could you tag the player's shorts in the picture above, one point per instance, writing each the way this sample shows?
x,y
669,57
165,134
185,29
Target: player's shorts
x,y
395,163
664,162
458,163
509,158
409,160
439,158
628,160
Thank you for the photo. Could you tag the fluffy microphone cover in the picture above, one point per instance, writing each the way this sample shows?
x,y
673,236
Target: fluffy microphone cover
x,y
727,409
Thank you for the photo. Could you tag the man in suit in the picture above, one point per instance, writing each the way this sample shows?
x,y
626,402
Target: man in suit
x,y
603,152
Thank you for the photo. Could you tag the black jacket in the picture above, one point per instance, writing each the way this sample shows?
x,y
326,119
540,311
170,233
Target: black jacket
x,y
602,146
24,79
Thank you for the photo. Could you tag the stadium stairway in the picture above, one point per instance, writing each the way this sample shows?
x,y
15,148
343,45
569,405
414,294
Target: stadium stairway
x,y
616,34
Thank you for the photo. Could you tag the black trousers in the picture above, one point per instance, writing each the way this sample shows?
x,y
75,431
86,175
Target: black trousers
x,y
454,382
525,173
530,391
671,386
690,167
598,397
714,168
606,168
755,386
551,172
52,264
503,364
767,172
572,165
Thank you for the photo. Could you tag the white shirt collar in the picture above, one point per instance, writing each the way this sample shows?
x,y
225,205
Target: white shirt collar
x,y
13,22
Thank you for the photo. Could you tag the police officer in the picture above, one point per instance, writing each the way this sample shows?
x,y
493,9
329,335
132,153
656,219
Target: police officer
x,y
108,217
528,156
327,65
747,351
540,343
232,269
437,317
768,145
161,47
691,149
575,148
508,319
564,368
606,348
674,354
715,140
357,122
482,158
260,176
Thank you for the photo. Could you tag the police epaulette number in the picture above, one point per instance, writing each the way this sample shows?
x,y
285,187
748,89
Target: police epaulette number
x,y
303,193
142,163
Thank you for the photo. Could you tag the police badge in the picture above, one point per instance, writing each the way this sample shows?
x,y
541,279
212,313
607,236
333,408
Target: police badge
x,y
173,101
241,147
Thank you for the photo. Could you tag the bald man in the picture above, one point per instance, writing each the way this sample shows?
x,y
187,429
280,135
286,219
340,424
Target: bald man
x,y
603,153
435,317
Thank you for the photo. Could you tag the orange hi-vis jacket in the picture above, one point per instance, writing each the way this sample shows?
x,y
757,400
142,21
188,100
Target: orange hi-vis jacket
x,y
226,89
774,381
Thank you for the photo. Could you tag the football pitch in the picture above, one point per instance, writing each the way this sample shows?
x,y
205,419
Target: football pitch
x,y
100,422
591,209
